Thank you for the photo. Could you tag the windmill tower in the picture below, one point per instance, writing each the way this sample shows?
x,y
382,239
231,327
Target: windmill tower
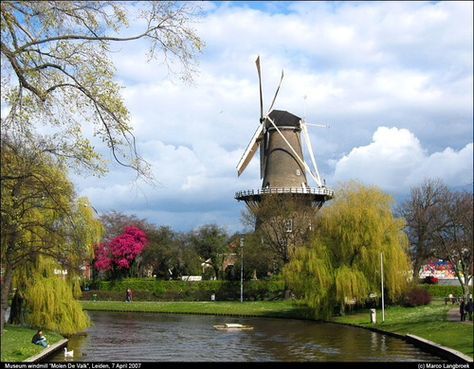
x,y
283,169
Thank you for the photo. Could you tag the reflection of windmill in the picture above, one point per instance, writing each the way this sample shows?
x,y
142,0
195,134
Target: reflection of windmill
x,y
282,165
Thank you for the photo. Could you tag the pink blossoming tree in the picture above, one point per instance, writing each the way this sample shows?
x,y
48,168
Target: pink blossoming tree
x,y
119,255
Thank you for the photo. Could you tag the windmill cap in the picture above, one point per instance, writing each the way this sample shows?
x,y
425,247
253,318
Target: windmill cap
x,y
284,118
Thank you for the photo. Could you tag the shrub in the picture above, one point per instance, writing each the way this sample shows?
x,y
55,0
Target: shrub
x,y
150,289
443,291
417,296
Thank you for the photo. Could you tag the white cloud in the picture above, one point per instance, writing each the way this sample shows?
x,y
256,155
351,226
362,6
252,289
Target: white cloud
x,y
360,64
395,160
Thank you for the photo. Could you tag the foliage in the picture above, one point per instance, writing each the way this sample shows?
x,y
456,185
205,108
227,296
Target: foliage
x,y
282,223
258,259
115,222
440,224
120,253
40,215
16,343
416,296
56,70
49,300
454,237
170,255
443,291
211,244
420,211
271,309
342,263
151,289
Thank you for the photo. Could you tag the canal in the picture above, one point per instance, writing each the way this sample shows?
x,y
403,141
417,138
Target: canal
x,y
166,337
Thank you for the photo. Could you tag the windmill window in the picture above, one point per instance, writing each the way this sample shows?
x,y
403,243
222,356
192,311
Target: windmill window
x,y
298,172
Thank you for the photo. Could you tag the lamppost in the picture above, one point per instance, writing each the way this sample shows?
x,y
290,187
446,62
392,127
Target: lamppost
x,y
241,269
381,273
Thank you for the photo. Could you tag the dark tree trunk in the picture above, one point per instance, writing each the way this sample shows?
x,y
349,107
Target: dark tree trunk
x,y
416,269
16,310
6,286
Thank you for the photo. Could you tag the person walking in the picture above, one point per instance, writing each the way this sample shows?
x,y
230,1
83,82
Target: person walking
x,y
469,308
128,298
462,311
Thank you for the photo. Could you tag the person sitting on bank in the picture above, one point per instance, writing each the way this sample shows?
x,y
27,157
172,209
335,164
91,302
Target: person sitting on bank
x,y
39,339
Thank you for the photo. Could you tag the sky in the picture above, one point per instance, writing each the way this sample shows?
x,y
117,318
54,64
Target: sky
x,y
392,80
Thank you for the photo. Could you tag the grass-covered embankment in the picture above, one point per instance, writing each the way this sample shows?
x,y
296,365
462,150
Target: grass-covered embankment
x,y
273,309
17,346
429,322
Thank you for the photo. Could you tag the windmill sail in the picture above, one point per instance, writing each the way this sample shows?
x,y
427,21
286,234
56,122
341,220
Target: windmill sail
x,y
250,150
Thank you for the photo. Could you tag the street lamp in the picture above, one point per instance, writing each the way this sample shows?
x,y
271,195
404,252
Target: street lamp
x,y
381,281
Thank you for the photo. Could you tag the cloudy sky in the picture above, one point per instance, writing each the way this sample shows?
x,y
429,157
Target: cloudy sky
x,y
393,80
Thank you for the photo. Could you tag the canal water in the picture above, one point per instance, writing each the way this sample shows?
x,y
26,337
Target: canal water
x,y
163,337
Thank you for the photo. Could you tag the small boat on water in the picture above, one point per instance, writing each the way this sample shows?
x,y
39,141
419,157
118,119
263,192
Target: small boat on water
x,y
233,327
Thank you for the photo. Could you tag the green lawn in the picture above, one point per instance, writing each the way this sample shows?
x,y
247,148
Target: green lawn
x,y
274,309
429,322
17,346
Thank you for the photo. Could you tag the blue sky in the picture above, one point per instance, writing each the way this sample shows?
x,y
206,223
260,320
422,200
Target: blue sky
x,y
394,80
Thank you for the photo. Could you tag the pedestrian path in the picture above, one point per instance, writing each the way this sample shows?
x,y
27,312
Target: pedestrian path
x,y
454,316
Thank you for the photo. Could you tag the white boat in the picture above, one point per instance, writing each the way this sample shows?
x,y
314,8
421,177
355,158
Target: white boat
x,y
233,326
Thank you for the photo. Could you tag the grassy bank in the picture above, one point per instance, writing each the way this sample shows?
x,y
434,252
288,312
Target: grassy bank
x,y
17,346
274,309
429,322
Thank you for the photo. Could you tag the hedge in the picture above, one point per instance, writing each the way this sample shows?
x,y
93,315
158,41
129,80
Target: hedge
x,y
443,291
159,290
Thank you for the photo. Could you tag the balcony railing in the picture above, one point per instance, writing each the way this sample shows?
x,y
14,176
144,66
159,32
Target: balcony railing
x,y
293,190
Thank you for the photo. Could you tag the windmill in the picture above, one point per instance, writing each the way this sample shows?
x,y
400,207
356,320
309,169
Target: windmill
x,y
283,169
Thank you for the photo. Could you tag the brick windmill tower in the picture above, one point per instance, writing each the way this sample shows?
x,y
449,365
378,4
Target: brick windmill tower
x,y
283,169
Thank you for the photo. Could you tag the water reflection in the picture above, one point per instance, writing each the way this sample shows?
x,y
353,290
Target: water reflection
x,y
161,337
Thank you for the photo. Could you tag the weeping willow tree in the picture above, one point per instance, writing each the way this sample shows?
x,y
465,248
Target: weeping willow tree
x,y
47,288
40,218
342,264
48,296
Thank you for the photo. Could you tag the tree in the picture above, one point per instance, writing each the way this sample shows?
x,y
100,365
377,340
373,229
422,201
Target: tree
x,y
210,242
121,253
454,235
258,259
341,264
439,224
49,300
115,223
56,70
421,212
169,254
40,216
282,223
